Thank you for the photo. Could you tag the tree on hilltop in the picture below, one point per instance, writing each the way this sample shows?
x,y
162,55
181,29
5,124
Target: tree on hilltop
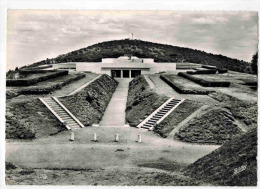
x,y
254,63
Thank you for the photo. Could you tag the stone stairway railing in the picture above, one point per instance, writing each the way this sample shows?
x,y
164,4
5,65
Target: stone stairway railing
x,y
160,114
62,113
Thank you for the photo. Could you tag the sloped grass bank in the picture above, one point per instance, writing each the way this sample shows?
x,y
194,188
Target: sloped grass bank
x,y
233,164
141,101
90,103
178,115
30,119
242,110
214,127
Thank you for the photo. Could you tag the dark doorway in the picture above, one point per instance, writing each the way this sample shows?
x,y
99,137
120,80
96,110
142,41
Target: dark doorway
x,y
135,73
126,74
116,73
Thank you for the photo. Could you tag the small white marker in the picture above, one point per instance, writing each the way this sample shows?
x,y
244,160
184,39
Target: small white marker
x,y
139,138
72,136
117,138
95,137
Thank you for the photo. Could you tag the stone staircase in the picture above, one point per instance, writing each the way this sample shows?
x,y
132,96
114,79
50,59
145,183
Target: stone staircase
x,y
62,113
160,114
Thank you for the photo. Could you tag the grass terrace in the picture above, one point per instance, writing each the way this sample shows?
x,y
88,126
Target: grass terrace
x,y
183,85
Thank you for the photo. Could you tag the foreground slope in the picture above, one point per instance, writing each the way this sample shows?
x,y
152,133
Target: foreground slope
x,y
233,164
144,49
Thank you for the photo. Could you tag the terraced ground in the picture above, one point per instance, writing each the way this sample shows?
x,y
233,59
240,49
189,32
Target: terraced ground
x,y
154,161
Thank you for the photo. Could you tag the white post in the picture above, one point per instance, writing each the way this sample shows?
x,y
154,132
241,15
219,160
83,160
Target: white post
x,y
139,138
121,73
117,138
129,73
72,136
95,137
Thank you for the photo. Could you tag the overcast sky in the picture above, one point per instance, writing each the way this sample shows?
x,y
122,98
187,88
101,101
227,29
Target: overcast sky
x,y
36,35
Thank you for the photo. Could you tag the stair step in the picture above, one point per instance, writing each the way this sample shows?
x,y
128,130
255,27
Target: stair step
x,y
151,121
152,124
72,125
161,113
158,116
70,121
166,109
155,119
145,127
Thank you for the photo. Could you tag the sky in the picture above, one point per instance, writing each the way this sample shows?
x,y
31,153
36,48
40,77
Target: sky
x,y
36,35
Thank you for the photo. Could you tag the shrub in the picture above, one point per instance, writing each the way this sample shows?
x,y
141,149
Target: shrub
x,y
204,82
27,82
9,166
180,89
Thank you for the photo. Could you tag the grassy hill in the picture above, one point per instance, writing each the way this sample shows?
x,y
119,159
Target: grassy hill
x,y
233,164
144,49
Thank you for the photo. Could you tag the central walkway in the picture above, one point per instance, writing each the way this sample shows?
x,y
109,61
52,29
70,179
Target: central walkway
x,y
115,112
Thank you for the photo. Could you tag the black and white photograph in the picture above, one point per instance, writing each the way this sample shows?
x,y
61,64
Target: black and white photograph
x,y
130,97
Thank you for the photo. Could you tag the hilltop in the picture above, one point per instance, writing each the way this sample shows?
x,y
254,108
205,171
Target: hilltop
x,y
144,49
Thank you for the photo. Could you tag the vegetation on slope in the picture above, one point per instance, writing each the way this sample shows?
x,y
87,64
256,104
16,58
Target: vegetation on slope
x,y
242,110
233,164
141,101
178,115
144,49
89,104
216,127
30,119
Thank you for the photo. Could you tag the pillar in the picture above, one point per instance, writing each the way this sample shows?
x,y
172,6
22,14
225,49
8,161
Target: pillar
x,y
95,137
121,73
129,73
139,138
72,136
117,138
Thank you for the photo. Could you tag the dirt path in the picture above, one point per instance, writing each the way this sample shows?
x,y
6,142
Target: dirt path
x,y
115,112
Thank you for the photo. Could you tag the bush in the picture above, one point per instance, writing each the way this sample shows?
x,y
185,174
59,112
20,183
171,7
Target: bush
x,y
48,89
180,89
9,166
28,82
203,82
16,130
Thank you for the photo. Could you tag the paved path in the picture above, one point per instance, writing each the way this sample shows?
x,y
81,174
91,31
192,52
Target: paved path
x,y
115,112
59,152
